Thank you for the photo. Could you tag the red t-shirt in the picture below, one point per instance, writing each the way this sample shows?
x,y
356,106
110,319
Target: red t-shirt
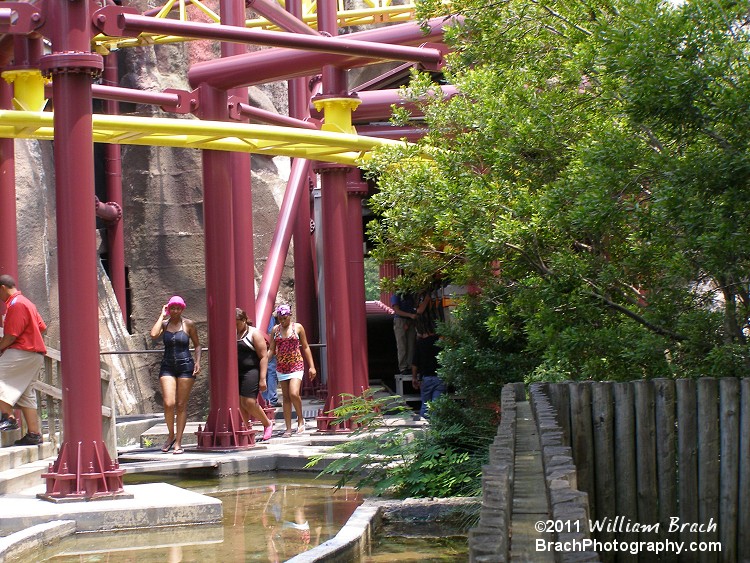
x,y
24,322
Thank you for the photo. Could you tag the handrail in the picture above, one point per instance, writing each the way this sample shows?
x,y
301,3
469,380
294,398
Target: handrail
x,y
48,386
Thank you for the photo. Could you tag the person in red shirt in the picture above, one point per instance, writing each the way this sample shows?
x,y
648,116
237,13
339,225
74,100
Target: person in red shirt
x,y
22,353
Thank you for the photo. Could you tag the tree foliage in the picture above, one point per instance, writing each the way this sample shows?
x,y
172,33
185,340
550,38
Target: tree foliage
x,y
591,178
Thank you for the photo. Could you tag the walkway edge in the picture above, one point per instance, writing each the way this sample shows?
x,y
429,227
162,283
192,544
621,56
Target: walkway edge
x,y
352,539
17,545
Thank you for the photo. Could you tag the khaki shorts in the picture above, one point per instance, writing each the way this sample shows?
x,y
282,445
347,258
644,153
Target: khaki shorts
x,y
18,370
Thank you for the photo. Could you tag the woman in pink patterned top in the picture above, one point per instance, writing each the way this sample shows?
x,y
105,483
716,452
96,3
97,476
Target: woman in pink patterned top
x,y
289,344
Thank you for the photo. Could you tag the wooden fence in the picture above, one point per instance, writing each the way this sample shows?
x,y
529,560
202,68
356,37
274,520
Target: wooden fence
x,y
672,452
49,396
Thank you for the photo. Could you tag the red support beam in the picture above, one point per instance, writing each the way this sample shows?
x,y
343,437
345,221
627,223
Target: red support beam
x,y
271,65
113,175
224,429
118,22
8,233
83,468
357,190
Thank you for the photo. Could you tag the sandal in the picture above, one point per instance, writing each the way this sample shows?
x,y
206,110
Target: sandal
x,y
178,451
300,430
267,432
168,445
287,434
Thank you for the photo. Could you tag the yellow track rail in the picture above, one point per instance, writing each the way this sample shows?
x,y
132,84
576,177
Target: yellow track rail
x,y
326,146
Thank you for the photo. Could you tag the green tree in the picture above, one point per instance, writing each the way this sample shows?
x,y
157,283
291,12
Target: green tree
x,y
592,179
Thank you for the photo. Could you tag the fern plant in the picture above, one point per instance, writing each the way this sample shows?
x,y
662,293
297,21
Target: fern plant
x,y
440,460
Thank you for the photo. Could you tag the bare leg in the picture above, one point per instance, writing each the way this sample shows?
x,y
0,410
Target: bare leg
x,y
250,408
184,386
32,419
6,409
294,387
168,393
287,404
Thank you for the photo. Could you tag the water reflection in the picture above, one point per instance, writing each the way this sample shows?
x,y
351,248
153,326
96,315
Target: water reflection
x,y
262,522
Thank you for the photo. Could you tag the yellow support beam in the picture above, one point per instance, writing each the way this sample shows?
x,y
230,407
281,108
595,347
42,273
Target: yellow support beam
x,y
325,146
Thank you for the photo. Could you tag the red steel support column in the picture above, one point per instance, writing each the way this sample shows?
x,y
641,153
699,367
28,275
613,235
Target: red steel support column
x,y
83,468
113,174
339,333
224,428
233,13
296,188
8,234
304,274
357,190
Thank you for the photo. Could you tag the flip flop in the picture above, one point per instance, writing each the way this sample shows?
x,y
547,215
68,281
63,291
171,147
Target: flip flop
x,y
287,434
168,445
178,451
300,430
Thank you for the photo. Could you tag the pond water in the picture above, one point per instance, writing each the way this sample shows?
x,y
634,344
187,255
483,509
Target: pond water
x,y
267,518
423,550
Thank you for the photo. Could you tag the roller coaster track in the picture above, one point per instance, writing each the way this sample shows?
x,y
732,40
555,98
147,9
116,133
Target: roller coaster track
x,y
325,146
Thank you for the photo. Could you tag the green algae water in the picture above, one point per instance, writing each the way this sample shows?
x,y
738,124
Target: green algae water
x,y
268,518
422,550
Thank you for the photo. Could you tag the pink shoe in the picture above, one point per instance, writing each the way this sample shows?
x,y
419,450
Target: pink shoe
x,y
267,431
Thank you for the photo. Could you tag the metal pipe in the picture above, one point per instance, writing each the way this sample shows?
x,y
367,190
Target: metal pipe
x,y
113,175
357,190
117,94
257,115
8,221
224,414
110,211
411,134
305,289
123,23
233,14
274,13
339,328
73,65
294,194
271,65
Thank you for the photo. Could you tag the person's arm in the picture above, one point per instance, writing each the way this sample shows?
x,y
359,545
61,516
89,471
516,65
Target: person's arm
x,y
272,350
260,348
401,313
6,341
158,327
306,352
193,333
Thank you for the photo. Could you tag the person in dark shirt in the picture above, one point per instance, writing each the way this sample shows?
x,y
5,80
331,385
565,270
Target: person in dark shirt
x,y
404,314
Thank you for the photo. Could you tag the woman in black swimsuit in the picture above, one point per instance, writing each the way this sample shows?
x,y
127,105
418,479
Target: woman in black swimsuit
x,y
178,368
252,362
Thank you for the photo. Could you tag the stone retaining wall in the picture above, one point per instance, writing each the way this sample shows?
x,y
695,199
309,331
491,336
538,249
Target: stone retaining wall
x,y
569,507
489,541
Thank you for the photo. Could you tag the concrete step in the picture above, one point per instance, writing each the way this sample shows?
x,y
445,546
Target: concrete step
x,y
7,437
25,476
16,456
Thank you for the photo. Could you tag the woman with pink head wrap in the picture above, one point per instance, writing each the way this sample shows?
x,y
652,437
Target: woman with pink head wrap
x,y
178,367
